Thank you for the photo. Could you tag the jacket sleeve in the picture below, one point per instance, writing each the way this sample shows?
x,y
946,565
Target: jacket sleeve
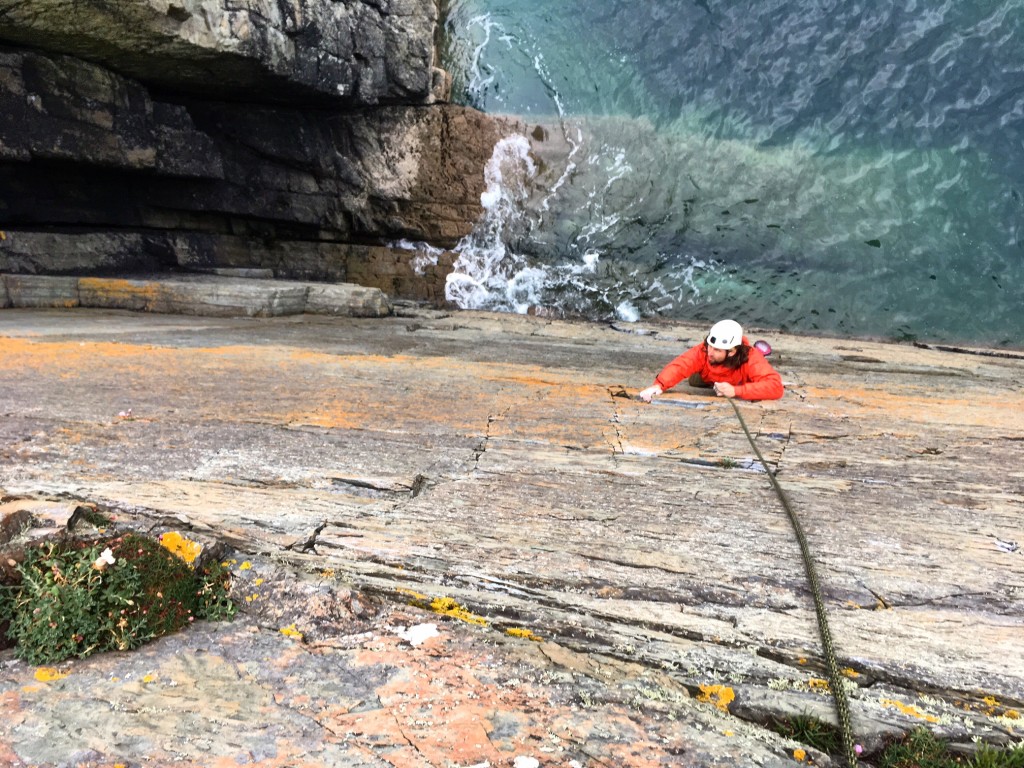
x,y
687,363
764,382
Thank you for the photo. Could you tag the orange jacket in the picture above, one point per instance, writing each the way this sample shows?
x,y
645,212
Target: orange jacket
x,y
754,380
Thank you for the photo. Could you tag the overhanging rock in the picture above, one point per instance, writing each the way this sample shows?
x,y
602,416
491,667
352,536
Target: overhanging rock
x,y
347,53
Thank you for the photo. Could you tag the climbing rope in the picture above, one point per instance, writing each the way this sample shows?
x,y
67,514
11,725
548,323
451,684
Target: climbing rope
x,y
835,678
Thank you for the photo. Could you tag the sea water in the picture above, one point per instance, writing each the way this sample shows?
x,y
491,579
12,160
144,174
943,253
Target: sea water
x,y
854,168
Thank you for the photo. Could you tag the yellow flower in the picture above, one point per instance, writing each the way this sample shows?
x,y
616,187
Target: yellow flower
x,y
245,566
49,674
184,548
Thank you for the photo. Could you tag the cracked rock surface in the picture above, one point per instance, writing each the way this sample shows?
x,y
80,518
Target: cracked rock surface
x,y
500,463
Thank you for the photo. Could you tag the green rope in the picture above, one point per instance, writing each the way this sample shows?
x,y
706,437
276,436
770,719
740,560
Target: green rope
x,y
834,677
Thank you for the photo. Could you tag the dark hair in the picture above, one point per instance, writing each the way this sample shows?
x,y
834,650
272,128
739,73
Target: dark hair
x,y
738,359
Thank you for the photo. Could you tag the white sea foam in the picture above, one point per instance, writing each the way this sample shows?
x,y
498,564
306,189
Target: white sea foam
x,y
486,275
478,79
498,266
627,312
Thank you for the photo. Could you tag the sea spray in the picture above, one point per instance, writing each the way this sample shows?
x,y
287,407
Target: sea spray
x,y
487,274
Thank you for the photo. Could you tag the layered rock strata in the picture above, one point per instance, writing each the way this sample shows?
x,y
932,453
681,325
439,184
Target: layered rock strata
x,y
307,138
494,469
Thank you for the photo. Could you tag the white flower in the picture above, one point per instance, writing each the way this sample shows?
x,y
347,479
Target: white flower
x,y
106,558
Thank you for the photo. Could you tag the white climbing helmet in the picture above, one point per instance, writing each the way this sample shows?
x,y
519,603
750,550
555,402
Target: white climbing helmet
x,y
725,334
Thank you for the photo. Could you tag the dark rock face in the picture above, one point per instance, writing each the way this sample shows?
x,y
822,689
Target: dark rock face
x,y
128,156
358,53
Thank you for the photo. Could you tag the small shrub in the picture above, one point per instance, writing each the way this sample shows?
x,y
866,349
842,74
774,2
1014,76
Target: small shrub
x,y
75,598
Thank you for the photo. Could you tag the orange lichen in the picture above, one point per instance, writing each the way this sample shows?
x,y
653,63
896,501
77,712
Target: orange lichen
x,y
719,695
524,633
49,674
448,607
818,685
908,709
799,755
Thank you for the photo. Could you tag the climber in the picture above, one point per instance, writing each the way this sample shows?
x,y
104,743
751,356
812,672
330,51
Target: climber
x,y
725,361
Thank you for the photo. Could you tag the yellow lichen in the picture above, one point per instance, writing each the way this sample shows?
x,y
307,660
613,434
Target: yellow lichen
x,y
184,548
525,633
799,755
908,709
291,631
818,685
446,606
719,695
245,566
49,674
851,673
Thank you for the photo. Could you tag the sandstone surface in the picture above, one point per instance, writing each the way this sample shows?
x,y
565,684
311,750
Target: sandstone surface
x,y
615,583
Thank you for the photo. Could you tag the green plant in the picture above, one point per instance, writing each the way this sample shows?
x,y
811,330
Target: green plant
x,y
212,596
990,757
76,598
728,463
922,749
810,731
919,749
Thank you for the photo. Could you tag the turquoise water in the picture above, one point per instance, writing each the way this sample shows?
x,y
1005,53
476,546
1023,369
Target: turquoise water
x,y
853,168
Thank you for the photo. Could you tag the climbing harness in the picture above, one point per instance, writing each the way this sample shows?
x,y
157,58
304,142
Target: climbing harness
x,y
835,678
